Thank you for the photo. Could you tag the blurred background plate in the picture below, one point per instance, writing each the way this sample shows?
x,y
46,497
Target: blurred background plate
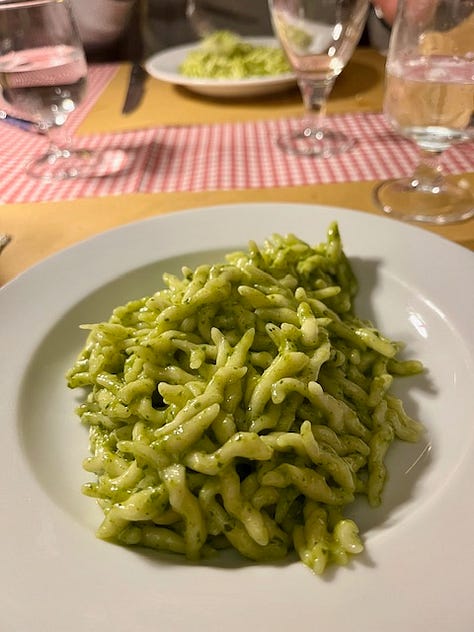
x,y
165,66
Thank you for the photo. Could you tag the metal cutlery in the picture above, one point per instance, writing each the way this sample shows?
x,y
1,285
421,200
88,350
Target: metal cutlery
x,y
135,89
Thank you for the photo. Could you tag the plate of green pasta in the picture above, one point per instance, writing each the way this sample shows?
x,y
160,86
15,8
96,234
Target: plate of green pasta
x,y
225,65
251,415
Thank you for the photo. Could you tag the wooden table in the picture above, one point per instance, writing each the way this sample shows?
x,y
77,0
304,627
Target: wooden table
x,y
40,229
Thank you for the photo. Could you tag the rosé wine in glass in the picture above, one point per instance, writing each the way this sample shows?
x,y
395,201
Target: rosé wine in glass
x,y
46,82
429,99
318,39
43,77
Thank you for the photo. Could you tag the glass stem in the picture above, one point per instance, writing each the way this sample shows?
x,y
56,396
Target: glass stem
x,y
315,94
59,141
428,175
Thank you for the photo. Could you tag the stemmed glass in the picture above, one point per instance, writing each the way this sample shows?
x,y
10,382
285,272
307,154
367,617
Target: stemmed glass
x,y
319,38
199,20
429,95
43,76
245,20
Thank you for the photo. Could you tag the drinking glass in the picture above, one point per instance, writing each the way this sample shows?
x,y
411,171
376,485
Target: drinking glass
x,y
429,96
247,19
319,38
201,22
43,76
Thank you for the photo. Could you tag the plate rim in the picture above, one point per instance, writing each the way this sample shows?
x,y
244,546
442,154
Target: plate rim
x,y
406,227
219,84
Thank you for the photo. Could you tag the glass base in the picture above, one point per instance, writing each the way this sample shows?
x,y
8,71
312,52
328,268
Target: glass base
x,y
320,143
63,164
407,199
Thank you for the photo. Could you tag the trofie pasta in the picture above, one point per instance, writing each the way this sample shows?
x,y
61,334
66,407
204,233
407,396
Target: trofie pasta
x,y
244,405
224,55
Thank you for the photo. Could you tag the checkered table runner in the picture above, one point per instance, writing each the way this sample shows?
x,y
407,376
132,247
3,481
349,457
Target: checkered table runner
x,y
214,157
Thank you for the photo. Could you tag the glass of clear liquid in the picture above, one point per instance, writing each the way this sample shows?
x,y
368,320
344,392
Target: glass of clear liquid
x,y
43,77
319,38
429,99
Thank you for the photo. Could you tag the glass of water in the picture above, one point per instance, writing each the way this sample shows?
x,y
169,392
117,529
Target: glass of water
x,y
319,37
43,77
429,99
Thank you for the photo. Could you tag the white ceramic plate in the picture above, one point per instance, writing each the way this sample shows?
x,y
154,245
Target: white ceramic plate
x,y
165,66
417,572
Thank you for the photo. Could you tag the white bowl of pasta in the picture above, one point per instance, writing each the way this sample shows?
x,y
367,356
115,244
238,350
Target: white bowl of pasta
x,y
424,500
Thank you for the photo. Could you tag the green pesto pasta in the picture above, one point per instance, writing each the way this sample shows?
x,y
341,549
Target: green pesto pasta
x,y
244,405
224,55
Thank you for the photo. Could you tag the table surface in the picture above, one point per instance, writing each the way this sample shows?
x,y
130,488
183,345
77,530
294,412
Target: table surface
x,y
41,229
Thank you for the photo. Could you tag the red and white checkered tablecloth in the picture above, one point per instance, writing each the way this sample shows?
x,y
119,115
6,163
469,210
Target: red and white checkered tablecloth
x,y
214,157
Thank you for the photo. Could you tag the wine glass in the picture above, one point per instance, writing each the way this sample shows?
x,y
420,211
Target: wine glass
x,y
43,76
247,19
199,20
429,96
319,38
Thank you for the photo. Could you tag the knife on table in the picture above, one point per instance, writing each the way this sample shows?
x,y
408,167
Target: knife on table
x,y
136,88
